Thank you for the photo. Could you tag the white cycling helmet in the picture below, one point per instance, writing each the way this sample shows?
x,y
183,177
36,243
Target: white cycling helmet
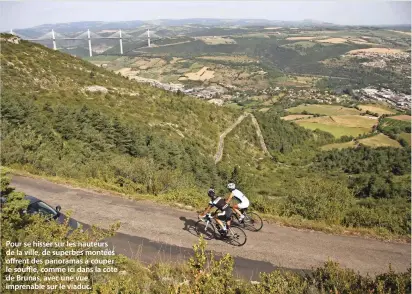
x,y
231,186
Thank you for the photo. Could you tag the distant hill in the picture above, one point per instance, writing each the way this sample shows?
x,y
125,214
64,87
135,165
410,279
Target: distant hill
x,y
129,25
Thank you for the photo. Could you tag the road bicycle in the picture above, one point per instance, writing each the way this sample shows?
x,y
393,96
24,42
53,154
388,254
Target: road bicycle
x,y
252,221
210,229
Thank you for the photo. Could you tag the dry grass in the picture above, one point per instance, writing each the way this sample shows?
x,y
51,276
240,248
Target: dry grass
x,y
300,38
350,144
175,59
355,121
407,137
127,71
333,40
336,130
296,116
361,41
376,50
376,109
146,63
231,58
324,109
340,125
400,32
401,117
202,75
216,40
380,140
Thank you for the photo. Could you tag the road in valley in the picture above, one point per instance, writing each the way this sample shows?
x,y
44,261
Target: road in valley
x,y
151,232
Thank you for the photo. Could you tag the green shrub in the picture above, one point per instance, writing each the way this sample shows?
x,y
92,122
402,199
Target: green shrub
x,y
319,199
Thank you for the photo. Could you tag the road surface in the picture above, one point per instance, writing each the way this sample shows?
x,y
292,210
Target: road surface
x,y
151,232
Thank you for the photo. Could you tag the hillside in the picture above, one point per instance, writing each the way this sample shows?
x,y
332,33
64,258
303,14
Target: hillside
x,y
57,105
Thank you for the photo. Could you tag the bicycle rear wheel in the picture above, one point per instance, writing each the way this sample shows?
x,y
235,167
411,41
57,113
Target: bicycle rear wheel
x,y
253,221
235,236
205,229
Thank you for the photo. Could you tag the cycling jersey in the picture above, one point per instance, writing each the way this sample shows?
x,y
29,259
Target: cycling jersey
x,y
239,195
243,201
219,203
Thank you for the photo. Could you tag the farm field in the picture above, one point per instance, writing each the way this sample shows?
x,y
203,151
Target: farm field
x,y
376,50
380,140
230,58
340,125
336,130
376,109
400,123
401,117
296,116
324,109
407,137
350,144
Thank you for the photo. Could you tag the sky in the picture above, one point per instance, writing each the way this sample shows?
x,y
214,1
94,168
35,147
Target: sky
x,y
26,14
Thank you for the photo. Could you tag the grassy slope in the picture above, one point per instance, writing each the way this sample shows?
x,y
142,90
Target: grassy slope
x,y
380,140
48,76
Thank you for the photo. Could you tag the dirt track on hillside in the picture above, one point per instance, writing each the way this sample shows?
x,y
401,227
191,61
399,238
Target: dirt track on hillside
x,y
219,153
276,245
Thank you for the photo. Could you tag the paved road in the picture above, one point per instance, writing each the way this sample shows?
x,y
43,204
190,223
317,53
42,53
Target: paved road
x,y
153,231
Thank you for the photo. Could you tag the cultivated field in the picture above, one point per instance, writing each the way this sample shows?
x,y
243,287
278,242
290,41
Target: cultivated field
x,y
296,116
213,40
202,75
336,130
376,109
350,144
230,58
333,40
407,137
376,50
380,140
300,38
340,125
401,117
324,109
353,121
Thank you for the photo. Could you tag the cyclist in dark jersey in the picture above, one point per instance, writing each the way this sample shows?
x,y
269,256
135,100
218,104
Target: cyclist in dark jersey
x,y
225,213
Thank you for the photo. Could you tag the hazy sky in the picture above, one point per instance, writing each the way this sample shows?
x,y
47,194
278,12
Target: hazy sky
x,y
31,13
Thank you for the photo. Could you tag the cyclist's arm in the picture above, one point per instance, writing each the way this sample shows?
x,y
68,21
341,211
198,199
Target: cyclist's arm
x,y
229,198
207,210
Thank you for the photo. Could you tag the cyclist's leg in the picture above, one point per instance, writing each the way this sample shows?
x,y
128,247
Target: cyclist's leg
x,y
236,209
218,218
228,217
242,205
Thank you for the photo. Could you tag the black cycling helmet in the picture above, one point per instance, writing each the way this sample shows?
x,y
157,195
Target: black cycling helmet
x,y
211,193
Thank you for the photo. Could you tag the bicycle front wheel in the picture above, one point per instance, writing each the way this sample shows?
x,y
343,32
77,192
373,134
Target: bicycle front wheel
x,y
236,236
205,229
253,221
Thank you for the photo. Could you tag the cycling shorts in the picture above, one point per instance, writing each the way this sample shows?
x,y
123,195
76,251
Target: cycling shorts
x,y
225,215
244,204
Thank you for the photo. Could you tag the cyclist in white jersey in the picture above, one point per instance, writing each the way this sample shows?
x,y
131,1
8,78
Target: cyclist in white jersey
x,y
243,201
